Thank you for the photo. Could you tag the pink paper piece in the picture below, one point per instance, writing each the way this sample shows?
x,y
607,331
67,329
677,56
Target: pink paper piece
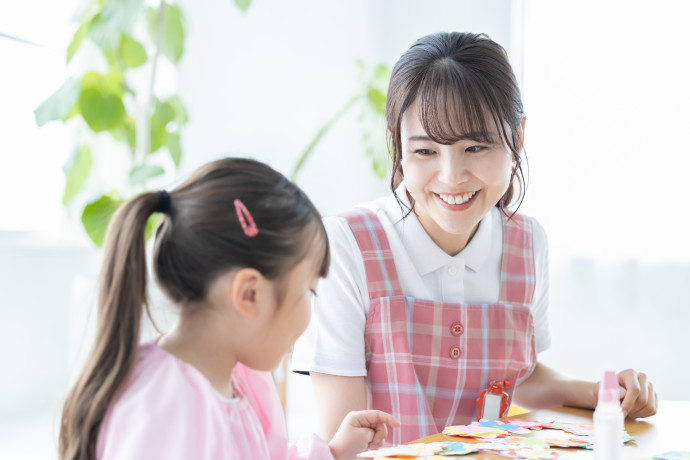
x,y
531,424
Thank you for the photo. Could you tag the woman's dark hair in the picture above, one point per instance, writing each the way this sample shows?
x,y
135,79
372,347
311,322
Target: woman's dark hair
x,y
199,239
463,84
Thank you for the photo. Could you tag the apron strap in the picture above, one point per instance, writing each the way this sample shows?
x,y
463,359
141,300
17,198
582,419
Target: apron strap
x,y
382,277
517,267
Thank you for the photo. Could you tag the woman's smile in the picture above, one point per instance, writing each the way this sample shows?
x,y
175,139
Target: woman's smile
x,y
457,201
451,186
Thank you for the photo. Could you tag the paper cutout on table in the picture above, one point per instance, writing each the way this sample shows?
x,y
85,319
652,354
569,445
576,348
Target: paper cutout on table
x,y
567,442
528,448
457,448
578,429
499,425
474,431
530,424
673,456
499,437
415,450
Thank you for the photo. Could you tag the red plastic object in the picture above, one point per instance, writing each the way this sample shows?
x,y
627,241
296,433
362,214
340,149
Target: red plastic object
x,y
492,402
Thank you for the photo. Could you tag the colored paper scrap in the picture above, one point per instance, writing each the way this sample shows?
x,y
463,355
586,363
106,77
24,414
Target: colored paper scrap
x,y
457,448
530,424
578,429
673,456
566,442
405,450
474,431
497,424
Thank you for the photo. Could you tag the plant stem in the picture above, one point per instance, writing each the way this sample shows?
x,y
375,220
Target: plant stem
x,y
324,129
144,135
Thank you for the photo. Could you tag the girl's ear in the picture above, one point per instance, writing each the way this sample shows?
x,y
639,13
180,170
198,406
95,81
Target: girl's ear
x,y
244,291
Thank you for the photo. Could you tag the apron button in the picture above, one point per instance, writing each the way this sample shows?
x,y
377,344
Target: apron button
x,y
457,328
455,352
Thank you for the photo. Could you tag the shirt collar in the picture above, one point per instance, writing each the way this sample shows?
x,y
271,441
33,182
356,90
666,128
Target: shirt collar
x,y
425,255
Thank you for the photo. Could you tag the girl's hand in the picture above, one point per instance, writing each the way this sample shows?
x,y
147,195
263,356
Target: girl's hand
x,y
638,396
361,431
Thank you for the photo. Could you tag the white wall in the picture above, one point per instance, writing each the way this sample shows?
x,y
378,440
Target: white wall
x,y
606,94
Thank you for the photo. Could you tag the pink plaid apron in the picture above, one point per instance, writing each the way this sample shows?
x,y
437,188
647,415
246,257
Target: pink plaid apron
x,y
428,361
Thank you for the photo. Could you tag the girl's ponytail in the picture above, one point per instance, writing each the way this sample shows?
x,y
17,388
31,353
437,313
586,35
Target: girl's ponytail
x,y
122,297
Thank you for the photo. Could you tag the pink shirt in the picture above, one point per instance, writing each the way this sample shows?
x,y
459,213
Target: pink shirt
x,y
169,410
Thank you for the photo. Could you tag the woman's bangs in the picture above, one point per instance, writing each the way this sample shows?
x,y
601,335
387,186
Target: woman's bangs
x,y
452,107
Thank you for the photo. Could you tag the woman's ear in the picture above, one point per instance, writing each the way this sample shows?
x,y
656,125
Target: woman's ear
x,y
522,132
244,291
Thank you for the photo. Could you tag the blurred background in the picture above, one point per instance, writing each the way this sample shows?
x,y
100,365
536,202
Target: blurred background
x,y
605,90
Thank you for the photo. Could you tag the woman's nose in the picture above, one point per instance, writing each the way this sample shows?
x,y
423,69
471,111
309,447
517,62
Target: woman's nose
x,y
453,170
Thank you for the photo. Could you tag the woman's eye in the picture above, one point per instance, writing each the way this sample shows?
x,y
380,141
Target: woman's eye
x,y
475,148
424,152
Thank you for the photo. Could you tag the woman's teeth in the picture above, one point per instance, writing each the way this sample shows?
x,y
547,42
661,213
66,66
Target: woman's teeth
x,y
457,199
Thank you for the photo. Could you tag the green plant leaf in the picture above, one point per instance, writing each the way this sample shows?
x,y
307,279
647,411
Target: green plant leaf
x,y
116,18
141,174
96,217
126,132
376,99
174,148
133,52
180,111
59,104
77,173
122,14
381,76
113,81
100,101
163,114
103,34
77,40
101,111
243,5
172,33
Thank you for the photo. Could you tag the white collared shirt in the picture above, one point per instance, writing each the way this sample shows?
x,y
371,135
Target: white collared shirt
x,y
334,341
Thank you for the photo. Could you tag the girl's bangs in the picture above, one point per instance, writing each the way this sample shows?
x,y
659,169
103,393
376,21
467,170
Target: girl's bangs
x,y
453,105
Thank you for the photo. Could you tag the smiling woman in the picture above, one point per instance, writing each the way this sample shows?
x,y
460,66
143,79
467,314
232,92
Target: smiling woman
x,y
397,326
452,186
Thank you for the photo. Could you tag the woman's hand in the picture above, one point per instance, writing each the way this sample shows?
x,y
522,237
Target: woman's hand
x,y
361,431
638,396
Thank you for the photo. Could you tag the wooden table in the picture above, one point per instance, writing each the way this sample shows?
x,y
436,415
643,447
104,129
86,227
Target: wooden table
x,y
668,430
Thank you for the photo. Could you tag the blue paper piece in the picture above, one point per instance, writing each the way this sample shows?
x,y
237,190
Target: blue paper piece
x,y
673,456
499,425
457,448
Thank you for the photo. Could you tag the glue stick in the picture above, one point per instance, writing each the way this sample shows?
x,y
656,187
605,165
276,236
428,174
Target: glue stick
x,y
608,420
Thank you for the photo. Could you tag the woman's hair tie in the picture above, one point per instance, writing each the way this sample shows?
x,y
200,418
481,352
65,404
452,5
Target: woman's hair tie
x,y
246,220
163,202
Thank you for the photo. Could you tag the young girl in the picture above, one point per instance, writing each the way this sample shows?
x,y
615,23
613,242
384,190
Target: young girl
x,y
439,291
239,252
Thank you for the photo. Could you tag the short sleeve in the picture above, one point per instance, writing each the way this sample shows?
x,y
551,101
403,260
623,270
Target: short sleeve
x,y
540,307
334,340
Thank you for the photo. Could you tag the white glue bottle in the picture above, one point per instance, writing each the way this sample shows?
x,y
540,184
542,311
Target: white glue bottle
x,y
608,420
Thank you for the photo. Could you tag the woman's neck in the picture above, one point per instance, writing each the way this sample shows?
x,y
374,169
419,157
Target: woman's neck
x,y
200,340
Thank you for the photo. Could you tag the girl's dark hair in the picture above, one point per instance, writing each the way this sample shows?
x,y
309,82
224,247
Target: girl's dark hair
x,y
199,239
464,85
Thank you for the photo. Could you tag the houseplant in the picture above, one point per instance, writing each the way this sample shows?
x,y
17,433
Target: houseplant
x,y
113,103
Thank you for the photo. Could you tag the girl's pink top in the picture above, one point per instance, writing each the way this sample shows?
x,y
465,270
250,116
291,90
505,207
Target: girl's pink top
x,y
169,410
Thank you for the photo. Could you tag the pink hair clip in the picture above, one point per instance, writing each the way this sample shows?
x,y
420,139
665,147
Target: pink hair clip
x,y
243,215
